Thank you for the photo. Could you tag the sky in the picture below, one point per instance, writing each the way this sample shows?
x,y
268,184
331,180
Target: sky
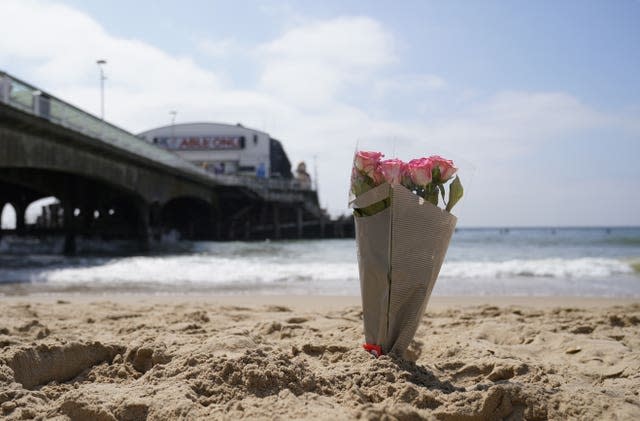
x,y
538,102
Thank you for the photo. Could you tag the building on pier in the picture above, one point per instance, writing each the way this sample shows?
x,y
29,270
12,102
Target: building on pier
x,y
224,149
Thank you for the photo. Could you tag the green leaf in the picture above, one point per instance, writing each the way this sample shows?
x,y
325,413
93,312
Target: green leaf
x,y
430,193
362,185
373,209
455,193
433,197
441,187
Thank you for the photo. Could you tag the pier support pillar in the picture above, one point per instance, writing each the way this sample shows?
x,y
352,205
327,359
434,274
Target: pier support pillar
x,y
276,222
143,231
2,204
20,207
299,221
247,229
218,229
263,218
155,221
338,229
69,228
231,235
86,218
264,210
322,226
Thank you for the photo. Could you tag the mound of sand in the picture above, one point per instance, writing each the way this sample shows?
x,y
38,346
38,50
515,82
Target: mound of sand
x,y
158,361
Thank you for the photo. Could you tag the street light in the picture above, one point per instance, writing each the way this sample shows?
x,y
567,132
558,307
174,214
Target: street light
x,y
100,64
173,122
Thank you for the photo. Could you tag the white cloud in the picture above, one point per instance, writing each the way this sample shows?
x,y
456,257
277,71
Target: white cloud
x,y
39,30
408,84
346,42
309,65
511,123
62,45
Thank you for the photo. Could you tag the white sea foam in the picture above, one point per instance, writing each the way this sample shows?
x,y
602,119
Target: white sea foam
x,y
206,269
546,268
200,270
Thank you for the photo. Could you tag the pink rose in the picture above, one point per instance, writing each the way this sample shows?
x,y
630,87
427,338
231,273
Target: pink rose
x,y
446,167
366,162
420,171
392,170
377,175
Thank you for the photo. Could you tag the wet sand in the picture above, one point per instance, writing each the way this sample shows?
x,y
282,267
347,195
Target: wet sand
x,y
275,357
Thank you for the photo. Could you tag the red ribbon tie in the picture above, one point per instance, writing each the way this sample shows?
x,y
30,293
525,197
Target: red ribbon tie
x,y
375,350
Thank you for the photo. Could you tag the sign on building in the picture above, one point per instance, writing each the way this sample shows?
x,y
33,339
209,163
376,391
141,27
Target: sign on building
x,y
192,143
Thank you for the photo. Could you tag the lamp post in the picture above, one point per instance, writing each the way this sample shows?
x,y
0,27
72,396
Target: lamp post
x,y
100,64
173,122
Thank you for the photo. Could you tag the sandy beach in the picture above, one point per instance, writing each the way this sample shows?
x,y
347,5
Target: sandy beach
x,y
85,357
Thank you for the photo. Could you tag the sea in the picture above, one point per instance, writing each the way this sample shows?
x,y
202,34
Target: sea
x,y
590,262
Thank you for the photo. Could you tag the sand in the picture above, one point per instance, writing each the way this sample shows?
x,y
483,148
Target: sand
x,y
159,358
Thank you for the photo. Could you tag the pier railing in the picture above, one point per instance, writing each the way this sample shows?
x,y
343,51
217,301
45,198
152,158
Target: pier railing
x,y
261,183
32,100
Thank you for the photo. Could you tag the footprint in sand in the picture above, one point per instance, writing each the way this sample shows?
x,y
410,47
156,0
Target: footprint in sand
x,y
297,320
39,365
316,350
473,371
584,329
145,357
277,309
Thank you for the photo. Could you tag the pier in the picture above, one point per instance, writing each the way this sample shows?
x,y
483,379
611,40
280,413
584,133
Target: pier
x,y
111,184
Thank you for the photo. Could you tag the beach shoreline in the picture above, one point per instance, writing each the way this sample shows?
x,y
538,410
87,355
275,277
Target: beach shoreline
x,y
314,302
145,356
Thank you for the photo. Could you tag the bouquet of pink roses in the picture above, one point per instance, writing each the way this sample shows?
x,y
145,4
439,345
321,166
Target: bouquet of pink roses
x,y
425,177
402,236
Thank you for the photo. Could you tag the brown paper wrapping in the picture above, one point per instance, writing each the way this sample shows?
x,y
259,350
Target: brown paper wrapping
x,y
400,253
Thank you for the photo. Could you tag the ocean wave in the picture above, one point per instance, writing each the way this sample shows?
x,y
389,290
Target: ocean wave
x,y
541,268
234,271
199,270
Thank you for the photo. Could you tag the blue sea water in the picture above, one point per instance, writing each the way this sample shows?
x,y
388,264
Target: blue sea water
x,y
524,261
